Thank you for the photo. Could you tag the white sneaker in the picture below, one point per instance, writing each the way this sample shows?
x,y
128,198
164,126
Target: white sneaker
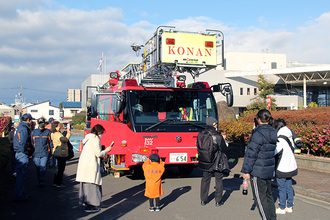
x,y
280,211
288,209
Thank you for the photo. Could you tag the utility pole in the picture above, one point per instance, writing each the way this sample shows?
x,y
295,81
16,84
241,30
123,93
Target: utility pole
x,y
20,102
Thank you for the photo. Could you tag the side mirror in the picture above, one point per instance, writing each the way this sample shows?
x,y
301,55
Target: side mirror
x,y
215,88
120,104
226,90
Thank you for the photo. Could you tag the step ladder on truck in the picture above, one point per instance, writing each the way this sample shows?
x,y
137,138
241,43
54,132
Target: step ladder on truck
x,y
147,107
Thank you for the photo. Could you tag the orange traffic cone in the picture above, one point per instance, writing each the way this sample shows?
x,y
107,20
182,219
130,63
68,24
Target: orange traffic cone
x,y
80,146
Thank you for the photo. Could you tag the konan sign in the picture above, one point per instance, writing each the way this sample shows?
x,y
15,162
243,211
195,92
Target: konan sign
x,y
189,49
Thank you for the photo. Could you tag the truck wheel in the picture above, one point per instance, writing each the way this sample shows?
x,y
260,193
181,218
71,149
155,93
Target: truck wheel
x,y
137,172
186,169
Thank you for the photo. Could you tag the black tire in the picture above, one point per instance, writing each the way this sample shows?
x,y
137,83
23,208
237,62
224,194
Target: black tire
x,y
186,168
137,172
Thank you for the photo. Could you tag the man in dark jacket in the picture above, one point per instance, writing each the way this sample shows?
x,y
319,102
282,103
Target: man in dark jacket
x,y
42,150
11,140
22,148
210,167
259,164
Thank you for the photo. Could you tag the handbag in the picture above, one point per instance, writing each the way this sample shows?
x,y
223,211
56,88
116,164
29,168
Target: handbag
x,y
62,150
70,151
221,162
70,147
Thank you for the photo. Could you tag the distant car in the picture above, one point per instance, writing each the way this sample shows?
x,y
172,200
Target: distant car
x,y
65,124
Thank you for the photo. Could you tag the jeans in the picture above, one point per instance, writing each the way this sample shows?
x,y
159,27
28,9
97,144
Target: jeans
x,y
285,192
41,163
22,162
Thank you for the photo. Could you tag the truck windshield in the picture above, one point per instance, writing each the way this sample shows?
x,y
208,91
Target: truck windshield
x,y
171,108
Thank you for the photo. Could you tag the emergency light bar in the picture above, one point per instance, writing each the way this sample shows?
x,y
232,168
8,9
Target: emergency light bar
x,y
199,85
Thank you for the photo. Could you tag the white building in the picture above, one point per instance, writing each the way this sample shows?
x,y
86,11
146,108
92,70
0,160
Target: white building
x,y
43,109
291,91
90,85
6,110
70,109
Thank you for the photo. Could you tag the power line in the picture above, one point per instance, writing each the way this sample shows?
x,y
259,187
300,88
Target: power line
x,y
39,90
11,88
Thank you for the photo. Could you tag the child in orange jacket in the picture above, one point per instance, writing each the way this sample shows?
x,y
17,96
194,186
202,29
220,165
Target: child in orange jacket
x,y
153,169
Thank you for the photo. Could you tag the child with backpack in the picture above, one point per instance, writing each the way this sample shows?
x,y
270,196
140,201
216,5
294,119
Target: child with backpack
x,y
153,169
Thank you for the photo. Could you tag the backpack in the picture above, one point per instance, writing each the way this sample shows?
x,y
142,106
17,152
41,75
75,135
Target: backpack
x,y
205,146
294,149
297,143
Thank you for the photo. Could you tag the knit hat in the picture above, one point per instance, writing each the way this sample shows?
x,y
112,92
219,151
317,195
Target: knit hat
x,y
154,158
210,121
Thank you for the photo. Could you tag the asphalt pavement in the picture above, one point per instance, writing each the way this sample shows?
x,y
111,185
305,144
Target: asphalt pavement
x,y
308,182
62,203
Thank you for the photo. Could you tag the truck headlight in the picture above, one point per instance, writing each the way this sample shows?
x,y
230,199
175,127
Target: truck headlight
x,y
139,158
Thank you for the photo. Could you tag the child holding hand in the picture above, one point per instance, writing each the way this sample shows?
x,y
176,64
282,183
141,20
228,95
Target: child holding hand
x,y
153,169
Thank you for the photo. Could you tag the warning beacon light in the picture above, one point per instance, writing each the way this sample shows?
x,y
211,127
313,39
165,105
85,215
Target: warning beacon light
x,y
114,78
181,81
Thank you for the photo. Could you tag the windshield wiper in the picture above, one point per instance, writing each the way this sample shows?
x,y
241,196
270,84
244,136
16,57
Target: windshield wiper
x,y
161,122
189,123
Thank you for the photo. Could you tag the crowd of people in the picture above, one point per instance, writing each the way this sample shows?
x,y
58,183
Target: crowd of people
x,y
46,147
269,155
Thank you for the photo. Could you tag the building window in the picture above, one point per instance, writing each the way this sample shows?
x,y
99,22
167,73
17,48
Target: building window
x,y
248,91
241,91
34,110
274,65
255,91
51,112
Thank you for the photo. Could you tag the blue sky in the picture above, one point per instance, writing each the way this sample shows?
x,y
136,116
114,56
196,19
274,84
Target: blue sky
x,y
49,46
272,15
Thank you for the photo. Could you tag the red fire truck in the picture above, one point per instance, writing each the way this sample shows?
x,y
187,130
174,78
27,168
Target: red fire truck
x,y
147,108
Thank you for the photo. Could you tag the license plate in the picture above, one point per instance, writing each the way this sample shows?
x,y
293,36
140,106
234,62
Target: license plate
x,y
178,157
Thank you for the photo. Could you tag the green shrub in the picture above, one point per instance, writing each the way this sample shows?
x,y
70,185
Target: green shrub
x,y
77,120
237,131
79,127
316,139
312,105
312,125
